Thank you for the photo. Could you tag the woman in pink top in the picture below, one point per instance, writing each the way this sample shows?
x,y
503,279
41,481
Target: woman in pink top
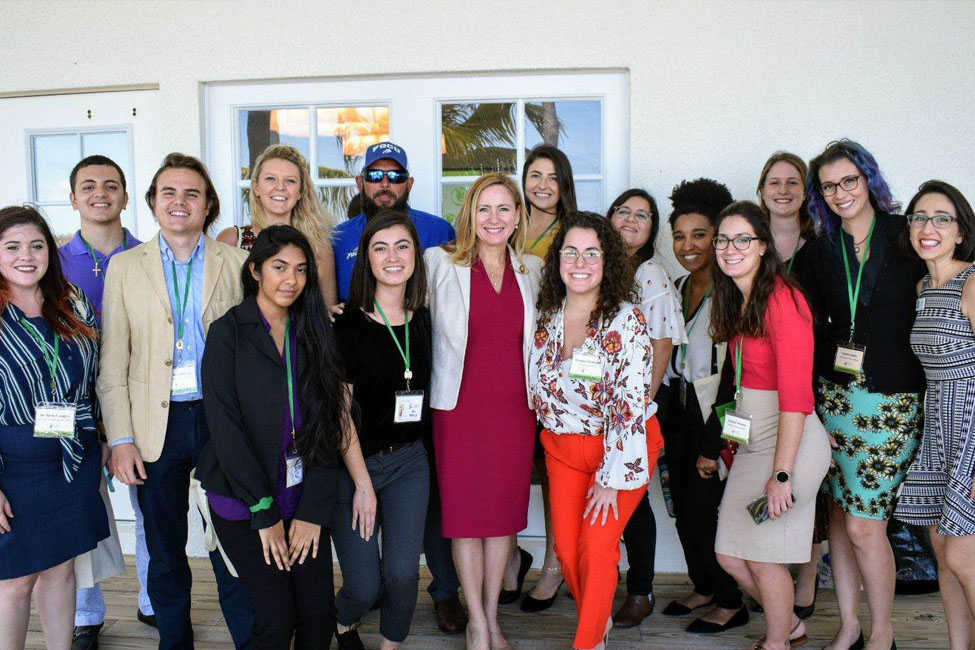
x,y
784,452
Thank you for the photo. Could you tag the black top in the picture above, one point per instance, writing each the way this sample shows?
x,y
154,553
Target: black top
x,y
885,313
244,394
374,367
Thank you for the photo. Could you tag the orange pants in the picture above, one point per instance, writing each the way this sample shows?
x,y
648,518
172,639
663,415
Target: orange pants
x,y
589,553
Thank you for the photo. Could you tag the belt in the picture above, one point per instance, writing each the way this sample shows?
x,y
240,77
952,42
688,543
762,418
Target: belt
x,y
392,448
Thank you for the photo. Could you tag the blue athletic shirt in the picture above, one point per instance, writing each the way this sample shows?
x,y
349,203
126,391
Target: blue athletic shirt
x,y
433,231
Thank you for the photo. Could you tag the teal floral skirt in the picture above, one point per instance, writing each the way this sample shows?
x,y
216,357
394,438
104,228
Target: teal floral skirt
x,y
878,435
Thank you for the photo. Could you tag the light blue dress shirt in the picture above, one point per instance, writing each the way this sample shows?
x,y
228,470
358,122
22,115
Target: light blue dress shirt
x,y
193,336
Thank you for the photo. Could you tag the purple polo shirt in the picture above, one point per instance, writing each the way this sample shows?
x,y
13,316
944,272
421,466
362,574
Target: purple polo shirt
x,y
78,267
286,498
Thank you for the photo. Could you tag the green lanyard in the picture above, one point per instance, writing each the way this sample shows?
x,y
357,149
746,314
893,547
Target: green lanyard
x,y
544,232
291,382
683,346
94,258
51,361
181,303
854,294
795,250
738,347
407,374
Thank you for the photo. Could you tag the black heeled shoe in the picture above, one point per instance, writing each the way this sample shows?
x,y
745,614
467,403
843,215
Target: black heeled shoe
x,y
805,612
508,596
531,605
860,644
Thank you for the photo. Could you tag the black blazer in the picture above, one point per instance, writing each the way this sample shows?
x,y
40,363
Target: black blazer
x,y
244,396
885,310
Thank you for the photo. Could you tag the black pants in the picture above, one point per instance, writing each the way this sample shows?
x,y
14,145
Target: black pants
x,y
640,534
299,604
696,502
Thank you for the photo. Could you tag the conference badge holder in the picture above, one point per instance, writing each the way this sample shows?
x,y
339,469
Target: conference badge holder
x,y
295,470
849,358
184,379
54,420
586,364
409,406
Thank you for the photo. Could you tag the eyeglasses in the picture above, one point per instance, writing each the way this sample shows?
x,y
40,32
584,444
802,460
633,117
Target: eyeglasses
x,y
395,176
741,242
940,221
591,256
642,216
848,184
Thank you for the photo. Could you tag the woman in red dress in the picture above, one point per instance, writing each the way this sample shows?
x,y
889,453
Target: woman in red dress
x,y
482,302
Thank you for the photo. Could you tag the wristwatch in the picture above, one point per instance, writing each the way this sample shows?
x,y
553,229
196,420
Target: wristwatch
x,y
782,476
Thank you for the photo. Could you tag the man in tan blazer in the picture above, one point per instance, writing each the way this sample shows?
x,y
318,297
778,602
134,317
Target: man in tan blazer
x,y
160,299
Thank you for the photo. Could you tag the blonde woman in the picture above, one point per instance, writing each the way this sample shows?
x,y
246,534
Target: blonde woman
x,y
482,292
282,192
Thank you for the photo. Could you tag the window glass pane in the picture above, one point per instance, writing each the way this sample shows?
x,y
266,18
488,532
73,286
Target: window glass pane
x,y
452,199
54,157
589,196
575,127
62,219
344,134
478,138
259,129
114,145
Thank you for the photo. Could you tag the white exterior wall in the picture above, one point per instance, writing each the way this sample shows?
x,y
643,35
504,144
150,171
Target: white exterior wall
x,y
715,87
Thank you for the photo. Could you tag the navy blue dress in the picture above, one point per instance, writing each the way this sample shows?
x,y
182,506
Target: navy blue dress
x,y
51,484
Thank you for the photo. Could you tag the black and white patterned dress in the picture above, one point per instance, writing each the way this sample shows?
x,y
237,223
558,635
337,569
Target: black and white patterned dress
x,y
938,485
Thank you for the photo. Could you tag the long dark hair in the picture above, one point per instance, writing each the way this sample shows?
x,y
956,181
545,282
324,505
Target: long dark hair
x,y
56,290
727,317
320,383
563,175
617,283
965,251
362,290
646,251
881,198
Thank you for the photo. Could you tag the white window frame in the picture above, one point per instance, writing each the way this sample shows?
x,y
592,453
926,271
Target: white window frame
x,y
78,132
414,106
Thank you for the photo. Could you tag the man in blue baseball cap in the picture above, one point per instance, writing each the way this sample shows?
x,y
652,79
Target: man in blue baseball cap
x,y
384,182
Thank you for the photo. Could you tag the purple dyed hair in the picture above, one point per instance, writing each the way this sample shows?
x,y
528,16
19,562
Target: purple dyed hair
x,y
880,195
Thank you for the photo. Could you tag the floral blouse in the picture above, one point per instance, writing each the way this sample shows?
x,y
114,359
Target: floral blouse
x,y
617,407
660,303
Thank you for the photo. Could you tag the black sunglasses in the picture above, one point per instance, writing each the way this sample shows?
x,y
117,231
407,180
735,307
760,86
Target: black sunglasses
x,y
395,176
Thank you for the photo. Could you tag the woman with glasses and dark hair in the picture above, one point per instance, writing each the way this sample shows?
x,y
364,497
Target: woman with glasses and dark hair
x,y
862,286
278,419
50,508
546,180
600,445
384,334
635,217
939,491
696,364
767,513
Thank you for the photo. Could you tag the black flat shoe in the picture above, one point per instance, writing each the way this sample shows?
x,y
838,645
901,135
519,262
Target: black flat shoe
x,y
805,612
674,608
146,619
700,626
529,604
506,597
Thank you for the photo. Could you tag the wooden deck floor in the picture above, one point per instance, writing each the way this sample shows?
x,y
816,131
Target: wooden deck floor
x,y
918,620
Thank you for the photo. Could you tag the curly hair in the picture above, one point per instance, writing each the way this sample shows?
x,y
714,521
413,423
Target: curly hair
x,y
807,227
615,288
703,196
881,198
728,319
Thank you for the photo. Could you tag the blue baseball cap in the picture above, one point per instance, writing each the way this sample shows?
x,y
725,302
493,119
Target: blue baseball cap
x,y
385,151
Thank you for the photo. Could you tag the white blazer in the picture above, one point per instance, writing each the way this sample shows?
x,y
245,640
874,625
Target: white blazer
x,y
449,296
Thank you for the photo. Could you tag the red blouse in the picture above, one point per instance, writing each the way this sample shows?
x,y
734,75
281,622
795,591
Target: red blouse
x,y
783,360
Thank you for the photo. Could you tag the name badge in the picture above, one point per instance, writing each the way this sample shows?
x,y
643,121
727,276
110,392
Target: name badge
x,y
586,365
184,379
295,472
54,420
409,406
849,358
736,427
919,305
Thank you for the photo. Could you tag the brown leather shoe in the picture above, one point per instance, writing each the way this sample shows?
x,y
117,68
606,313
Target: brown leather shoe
x,y
451,616
633,611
